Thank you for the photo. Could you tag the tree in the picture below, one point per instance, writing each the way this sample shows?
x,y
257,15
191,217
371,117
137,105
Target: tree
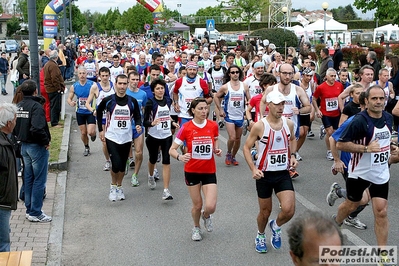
x,y
22,6
384,9
7,6
244,9
344,13
133,19
13,25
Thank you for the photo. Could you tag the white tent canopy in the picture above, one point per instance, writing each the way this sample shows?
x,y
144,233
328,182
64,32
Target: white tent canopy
x,y
331,25
391,32
299,30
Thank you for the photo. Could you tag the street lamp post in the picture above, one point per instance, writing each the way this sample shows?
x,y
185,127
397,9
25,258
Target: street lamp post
x,y
285,10
178,9
14,8
70,16
325,6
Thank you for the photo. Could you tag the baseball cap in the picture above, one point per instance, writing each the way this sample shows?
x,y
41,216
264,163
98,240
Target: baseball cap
x,y
259,64
260,53
272,46
83,51
191,64
307,71
200,63
261,48
275,97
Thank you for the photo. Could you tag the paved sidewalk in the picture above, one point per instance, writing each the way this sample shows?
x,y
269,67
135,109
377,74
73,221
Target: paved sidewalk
x,y
26,235
45,239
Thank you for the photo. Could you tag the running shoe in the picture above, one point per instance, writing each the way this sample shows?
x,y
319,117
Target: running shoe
x,y
260,243
86,152
112,193
156,174
42,218
227,161
107,166
298,157
355,222
293,173
310,135
196,234
93,138
134,181
329,156
254,152
245,127
132,164
332,196
207,222
151,182
234,161
159,157
221,124
322,132
275,239
119,193
166,194
213,116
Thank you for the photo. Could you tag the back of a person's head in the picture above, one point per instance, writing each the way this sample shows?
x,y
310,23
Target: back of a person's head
x,y
28,88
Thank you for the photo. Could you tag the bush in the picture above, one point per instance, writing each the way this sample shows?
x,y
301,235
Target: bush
x,y
279,37
379,50
352,54
394,49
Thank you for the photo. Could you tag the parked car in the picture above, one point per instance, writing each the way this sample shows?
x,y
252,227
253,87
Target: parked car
x,y
12,46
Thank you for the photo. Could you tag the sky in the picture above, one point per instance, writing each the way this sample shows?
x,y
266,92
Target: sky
x,y
191,7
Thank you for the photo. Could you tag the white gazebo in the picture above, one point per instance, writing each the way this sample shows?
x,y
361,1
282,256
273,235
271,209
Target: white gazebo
x,y
331,25
391,32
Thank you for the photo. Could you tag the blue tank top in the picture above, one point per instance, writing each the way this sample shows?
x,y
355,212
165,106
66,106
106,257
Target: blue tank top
x,y
82,93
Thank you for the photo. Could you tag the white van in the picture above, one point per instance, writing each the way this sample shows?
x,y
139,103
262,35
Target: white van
x,y
214,35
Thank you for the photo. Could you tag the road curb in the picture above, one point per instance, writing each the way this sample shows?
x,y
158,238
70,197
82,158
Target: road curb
x,y
54,252
62,163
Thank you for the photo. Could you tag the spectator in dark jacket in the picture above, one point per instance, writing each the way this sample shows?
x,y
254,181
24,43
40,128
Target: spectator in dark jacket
x,y
33,132
4,71
372,60
8,173
54,84
23,65
338,55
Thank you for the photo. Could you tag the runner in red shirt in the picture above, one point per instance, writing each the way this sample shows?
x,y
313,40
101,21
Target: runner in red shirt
x,y
201,137
329,111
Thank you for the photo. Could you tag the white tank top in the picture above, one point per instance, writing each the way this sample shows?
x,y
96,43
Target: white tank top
x,y
217,78
119,126
91,69
254,87
187,93
102,94
274,148
235,102
163,129
290,102
373,166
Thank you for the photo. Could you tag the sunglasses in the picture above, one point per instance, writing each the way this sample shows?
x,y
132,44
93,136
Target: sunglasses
x,y
234,72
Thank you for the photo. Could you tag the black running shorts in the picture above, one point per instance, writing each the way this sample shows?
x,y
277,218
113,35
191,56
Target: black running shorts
x,y
277,180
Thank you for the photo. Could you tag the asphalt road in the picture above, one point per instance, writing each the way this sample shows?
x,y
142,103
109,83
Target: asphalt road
x,y
145,230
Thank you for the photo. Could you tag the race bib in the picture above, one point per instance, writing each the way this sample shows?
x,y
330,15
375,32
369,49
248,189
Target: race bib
x,y
188,103
277,160
164,123
82,103
380,158
331,104
202,149
218,81
235,100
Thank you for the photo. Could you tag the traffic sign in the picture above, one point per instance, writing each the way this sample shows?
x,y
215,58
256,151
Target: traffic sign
x,y
147,26
210,24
